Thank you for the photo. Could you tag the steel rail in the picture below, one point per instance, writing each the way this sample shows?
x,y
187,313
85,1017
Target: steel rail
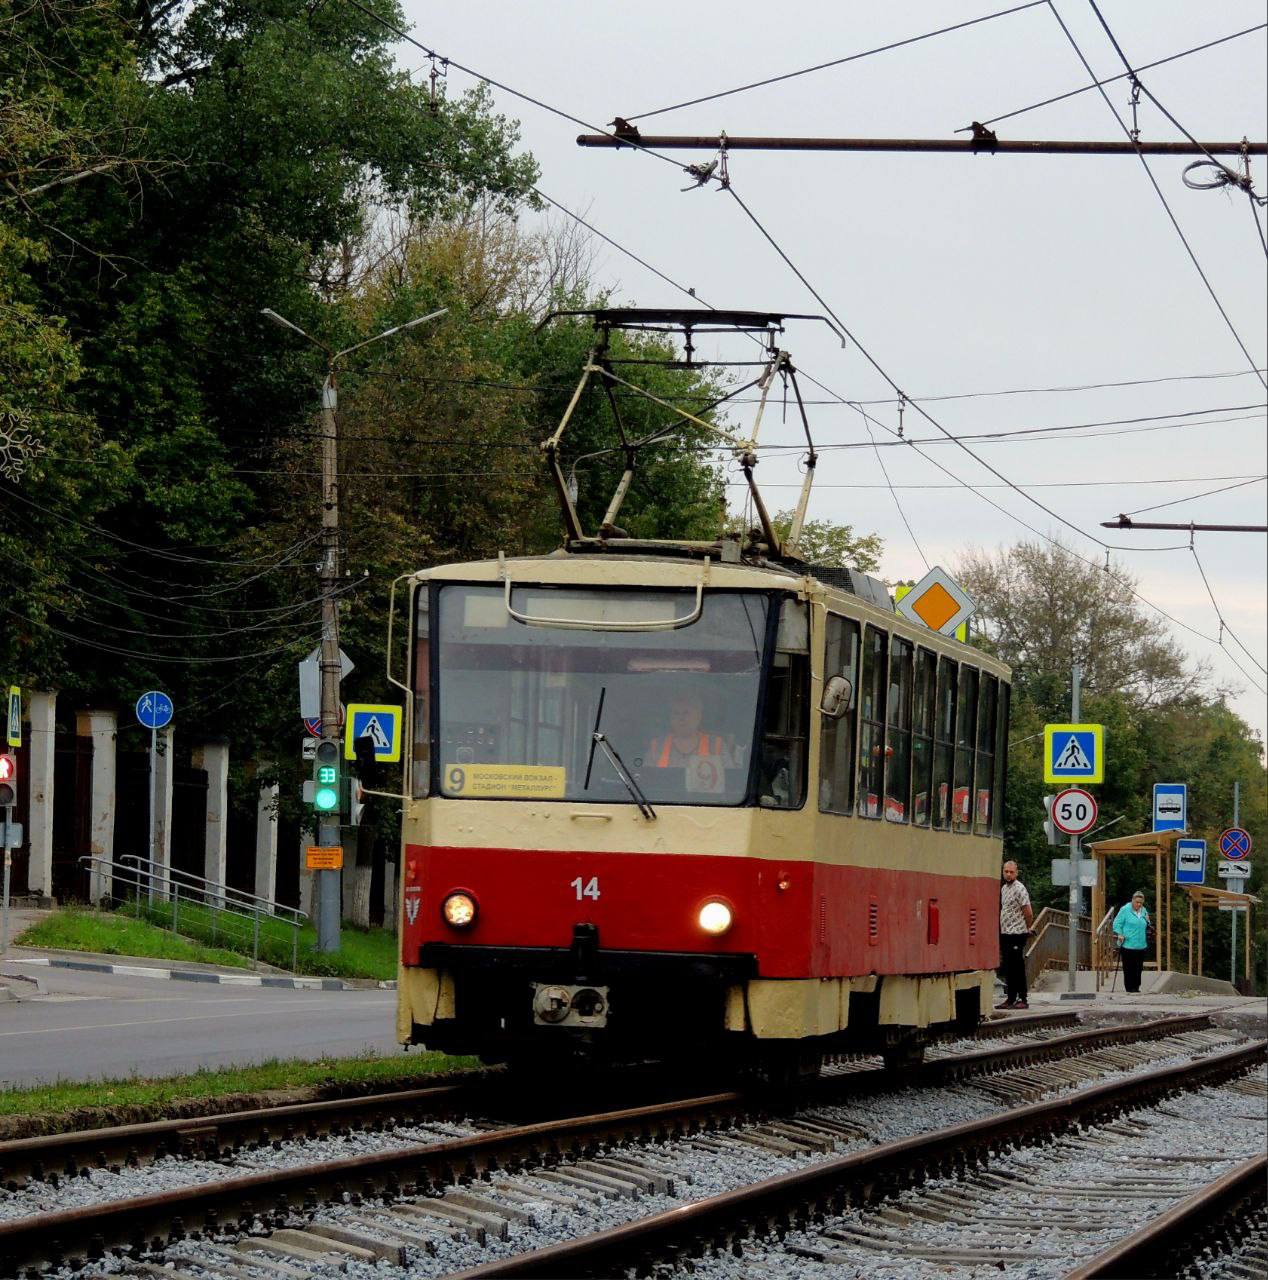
x,y
1183,1230
210,1135
275,1195
975,146
722,1221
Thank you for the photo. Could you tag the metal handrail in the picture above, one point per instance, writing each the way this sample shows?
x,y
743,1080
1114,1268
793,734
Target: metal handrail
x,y
158,880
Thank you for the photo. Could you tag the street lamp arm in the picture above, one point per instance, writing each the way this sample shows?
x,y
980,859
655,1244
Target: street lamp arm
x,y
387,333
286,324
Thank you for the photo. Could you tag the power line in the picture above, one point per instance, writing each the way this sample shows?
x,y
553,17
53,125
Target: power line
x,y
1087,88
1154,183
902,515
1193,497
836,62
1224,627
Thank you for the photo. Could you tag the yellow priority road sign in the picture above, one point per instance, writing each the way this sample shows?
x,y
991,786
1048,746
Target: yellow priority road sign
x,y
1073,753
938,602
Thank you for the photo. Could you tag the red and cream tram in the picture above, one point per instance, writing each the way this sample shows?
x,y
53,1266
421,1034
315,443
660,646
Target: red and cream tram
x,y
684,800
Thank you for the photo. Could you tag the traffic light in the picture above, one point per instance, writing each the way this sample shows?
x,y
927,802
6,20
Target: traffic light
x,y
326,780
8,779
367,776
1050,827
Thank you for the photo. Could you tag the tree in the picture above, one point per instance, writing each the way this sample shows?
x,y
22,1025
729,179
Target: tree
x,y
833,545
1040,608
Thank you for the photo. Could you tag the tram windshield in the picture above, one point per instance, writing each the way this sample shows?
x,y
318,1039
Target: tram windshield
x,y
669,678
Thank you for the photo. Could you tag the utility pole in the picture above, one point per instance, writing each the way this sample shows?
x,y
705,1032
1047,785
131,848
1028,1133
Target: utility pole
x,y
328,821
1076,892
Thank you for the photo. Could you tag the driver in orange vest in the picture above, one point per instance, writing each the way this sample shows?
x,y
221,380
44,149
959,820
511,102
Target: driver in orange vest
x,y
685,741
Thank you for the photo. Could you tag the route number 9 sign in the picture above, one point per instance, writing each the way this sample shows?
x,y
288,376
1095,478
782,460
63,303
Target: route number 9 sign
x,y
1074,811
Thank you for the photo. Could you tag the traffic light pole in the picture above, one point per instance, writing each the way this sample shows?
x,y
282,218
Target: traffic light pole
x,y
1076,889
328,882
8,858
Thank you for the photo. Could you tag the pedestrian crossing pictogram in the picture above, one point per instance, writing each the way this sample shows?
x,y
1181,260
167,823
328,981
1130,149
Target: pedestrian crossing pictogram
x,y
1073,753
378,722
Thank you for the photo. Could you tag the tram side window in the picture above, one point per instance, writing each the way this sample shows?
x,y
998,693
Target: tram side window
x,y
872,723
1001,761
782,778
922,720
965,736
836,747
944,743
984,777
898,739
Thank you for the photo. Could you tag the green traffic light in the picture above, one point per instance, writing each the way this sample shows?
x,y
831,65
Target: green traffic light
x,y
326,799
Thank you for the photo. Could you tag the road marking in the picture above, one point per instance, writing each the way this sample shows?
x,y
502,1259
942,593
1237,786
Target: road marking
x,y
145,1022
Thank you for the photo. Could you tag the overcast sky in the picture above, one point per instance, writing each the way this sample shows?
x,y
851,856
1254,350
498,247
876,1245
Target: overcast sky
x,y
959,274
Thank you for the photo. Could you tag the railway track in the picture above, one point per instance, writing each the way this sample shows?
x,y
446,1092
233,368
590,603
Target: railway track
x,y
838,1211
416,1196
56,1157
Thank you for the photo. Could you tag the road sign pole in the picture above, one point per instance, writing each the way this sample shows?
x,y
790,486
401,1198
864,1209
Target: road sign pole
x,y
153,818
8,858
1228,884
1076,892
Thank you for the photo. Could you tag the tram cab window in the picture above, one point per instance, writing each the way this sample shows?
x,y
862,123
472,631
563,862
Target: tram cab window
x,y
781,780
420,784
872,692
898,731
924,707
524,681
1001,761
965,740
984,769
944,743
836,743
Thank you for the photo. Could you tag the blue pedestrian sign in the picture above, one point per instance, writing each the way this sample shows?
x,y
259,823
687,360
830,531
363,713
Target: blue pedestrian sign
x,y
1190,861
380,723
1171,806
1073,753
154,710
1235,844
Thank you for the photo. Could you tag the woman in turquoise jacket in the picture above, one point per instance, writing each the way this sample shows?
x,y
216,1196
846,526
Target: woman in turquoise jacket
x,y
1131,933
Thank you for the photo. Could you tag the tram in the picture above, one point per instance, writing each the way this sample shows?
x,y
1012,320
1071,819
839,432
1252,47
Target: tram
x,y
695,800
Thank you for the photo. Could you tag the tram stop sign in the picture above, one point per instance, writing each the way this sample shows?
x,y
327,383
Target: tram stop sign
x,y
1235,844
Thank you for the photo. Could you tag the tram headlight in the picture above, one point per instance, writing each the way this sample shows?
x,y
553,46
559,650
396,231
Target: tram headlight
x,y
715,918
459,910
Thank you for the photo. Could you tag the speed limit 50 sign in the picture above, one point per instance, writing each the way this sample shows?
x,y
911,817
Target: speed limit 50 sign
x,y
1074,811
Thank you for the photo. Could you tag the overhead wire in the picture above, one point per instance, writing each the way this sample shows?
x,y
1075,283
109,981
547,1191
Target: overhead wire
x,y
1122,75
835,62
893,493
1224,627
1193,497
1184,240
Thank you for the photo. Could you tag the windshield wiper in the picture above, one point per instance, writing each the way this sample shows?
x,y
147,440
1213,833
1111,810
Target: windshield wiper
x,y
644,805
598,739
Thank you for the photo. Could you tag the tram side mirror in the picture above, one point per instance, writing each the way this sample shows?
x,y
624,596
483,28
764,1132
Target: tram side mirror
x,y
837,692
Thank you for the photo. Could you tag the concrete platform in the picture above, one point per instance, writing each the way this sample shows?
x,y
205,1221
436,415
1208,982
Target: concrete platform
x,y
1153,982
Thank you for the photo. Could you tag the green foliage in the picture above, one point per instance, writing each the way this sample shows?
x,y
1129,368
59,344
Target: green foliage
x,y
833,545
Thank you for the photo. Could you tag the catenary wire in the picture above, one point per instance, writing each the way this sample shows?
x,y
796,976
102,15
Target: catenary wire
x,y
1193,497
836,62
893,493
1125,75
1184,240
1224,627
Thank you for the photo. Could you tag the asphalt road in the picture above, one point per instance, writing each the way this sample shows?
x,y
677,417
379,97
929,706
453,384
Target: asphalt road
x,y
89,1026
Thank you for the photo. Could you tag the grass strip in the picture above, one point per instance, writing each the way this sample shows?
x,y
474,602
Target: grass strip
x,y
331,1075
213,937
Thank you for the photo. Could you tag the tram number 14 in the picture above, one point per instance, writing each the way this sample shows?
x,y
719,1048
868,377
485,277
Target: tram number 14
x,y
586,888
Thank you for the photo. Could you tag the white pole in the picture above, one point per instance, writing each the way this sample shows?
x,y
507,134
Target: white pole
x,y
8,858
1228,884
1076,893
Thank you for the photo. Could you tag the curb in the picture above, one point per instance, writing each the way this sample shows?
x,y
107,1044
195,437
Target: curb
x,y
198,975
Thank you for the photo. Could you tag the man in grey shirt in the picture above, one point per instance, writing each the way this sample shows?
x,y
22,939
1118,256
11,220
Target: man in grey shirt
x,y
1015,918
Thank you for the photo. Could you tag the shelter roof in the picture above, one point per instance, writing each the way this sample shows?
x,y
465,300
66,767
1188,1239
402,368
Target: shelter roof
x,y
1207,896
1143,842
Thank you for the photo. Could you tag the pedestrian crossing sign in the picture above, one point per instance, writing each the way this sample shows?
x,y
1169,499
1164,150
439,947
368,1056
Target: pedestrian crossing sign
x,y
380,723
1073,753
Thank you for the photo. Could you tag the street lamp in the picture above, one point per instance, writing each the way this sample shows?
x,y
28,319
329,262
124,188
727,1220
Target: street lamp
x,y
328,821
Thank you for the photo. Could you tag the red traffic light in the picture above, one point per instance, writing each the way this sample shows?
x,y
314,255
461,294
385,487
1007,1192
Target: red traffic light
x,y
8,780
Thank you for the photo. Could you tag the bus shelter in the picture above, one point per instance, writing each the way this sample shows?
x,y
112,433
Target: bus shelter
x,y
1202,896
1160,848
